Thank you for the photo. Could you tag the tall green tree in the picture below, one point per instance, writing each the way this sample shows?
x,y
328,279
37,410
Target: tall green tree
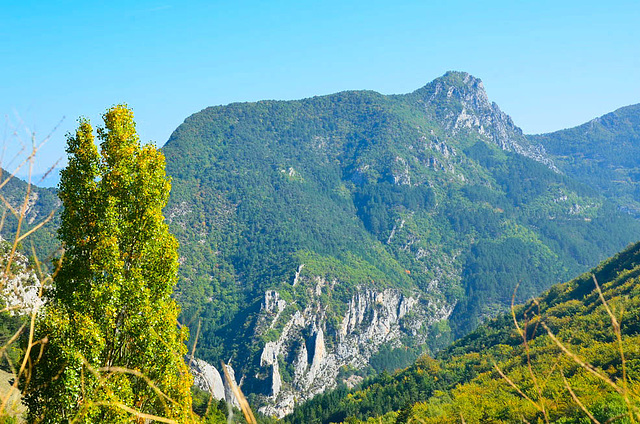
x,y
111,350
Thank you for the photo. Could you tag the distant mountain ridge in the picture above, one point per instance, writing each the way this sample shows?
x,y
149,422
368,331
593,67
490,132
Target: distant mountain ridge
x,y
332,237
42,202
604,153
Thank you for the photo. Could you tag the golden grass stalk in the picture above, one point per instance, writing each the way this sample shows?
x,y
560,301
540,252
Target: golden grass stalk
x,y
633,412
244,405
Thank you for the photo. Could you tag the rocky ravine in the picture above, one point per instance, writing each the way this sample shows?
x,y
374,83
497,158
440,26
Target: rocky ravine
x,y
317,352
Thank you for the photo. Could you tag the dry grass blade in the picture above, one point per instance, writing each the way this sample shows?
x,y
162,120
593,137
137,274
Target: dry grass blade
x,y
195,343
577,401
617,331
49,171
244,405
37,227
9,206
10,308
523,334
24,367
617,417
138,374
2,219
515,386
12,339
623,391
102,379
579,361
128,409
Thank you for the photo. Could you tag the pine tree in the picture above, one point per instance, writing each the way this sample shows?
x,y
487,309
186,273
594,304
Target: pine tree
x,y
112,349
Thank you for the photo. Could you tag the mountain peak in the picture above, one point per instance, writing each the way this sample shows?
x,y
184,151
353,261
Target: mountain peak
x,y
458,101
461,86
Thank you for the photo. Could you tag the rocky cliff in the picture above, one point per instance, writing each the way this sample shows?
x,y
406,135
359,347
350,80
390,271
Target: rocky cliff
x,y
20,287
207,378
317,356
459,102
320,355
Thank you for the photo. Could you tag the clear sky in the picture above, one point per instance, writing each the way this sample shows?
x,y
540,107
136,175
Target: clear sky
x,y
548,64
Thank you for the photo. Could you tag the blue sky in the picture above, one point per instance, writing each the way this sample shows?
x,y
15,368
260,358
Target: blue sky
x,y
548,64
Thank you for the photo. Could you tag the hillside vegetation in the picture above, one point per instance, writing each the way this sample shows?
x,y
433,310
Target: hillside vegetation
x,y
435,195
567,349
42,203
603,153
329,239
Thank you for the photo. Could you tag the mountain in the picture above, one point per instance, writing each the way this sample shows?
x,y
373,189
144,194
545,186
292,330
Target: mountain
x,y
603,153
326,239
41,202
483,376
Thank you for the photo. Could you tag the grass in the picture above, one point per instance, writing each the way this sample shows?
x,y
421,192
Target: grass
x,y
14,407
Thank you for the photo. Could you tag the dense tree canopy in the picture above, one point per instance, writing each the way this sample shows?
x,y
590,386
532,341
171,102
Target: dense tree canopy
x,y
111,348
567,346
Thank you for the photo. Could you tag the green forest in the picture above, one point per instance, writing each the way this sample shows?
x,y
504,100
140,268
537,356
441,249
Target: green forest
x,y
572,357
603,153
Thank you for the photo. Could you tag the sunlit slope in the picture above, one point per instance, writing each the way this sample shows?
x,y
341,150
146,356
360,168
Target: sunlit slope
x,y
491,375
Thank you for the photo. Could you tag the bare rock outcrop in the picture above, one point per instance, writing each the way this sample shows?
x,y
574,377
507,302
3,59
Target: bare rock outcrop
x,y
207,377
373,318
461,102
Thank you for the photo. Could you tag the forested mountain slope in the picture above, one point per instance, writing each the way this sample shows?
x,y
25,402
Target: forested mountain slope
x,y
41,202
328,238
485,376
604,153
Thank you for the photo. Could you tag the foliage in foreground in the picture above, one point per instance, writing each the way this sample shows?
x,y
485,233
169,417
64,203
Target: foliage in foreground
x,y
109,348
22,220
22,281
570,356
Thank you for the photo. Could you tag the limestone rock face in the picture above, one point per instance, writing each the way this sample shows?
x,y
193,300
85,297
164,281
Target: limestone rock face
x,y
20,289
462,103
314,351
206,377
